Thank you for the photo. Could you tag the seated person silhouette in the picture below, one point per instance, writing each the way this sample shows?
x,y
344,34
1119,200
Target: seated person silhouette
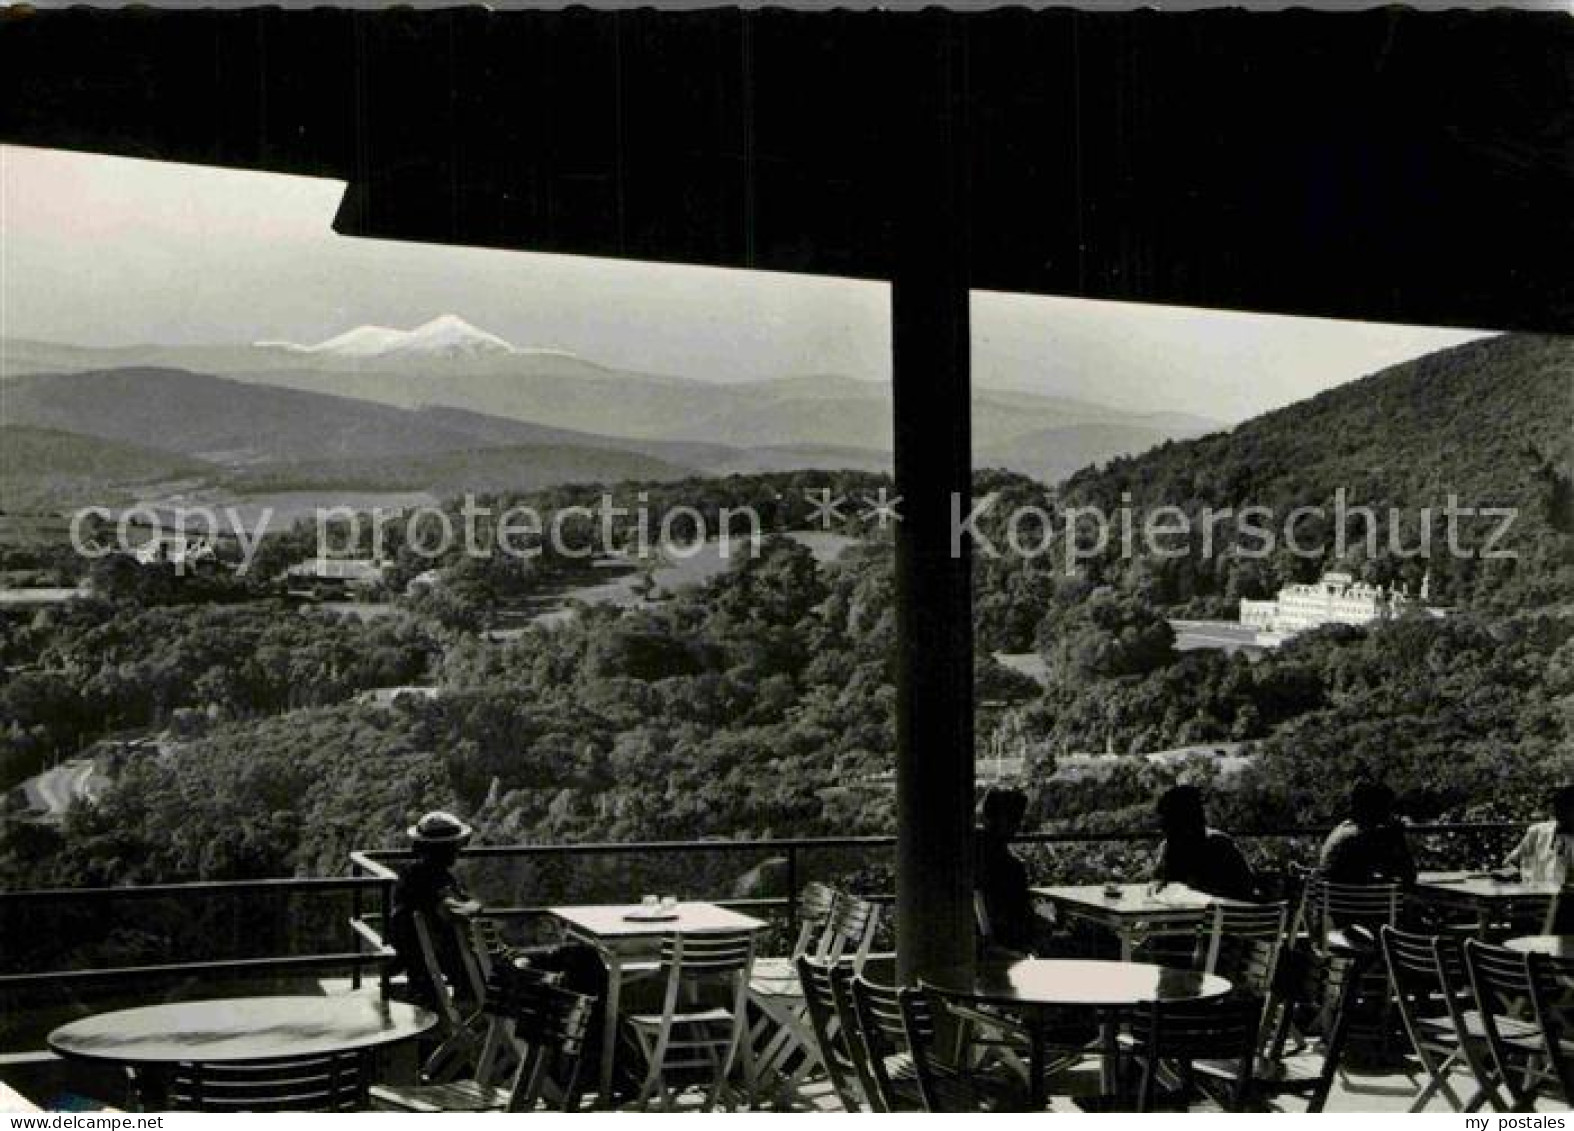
x,y
1545,855
1370,846
428,888
1193,854
1006,916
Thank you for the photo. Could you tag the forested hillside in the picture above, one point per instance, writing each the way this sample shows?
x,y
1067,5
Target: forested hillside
x,y
1490,423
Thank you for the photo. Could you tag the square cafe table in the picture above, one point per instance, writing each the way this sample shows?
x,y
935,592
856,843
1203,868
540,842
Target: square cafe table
x,y
1479,894
1136,913
628,946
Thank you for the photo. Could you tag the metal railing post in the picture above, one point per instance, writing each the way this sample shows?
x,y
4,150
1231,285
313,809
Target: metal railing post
x,y
792,890
355,917
387,903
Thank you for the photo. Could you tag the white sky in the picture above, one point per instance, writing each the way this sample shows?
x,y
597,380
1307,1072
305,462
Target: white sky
x,y
101,250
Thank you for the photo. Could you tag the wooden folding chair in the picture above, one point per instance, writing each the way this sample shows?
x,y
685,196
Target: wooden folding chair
x,y
1501,981
687,1036
460,1008
1552,997
783,1034
830,1035
1175,1036
945,1086
1350,916
1326,985
1032,1046
884,1044
546,1026
851,1024
1437,1008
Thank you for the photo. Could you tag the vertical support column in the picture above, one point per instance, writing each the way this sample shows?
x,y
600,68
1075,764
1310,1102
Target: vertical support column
x,y
934,670
930,373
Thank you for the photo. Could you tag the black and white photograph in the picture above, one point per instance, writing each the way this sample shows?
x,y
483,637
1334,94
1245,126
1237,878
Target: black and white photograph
x,y
804,560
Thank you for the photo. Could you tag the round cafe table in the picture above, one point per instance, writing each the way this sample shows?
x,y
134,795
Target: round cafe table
x,y
1558,946
152,1039
1028,986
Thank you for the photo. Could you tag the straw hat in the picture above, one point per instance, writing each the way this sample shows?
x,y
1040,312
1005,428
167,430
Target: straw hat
x,y
438,827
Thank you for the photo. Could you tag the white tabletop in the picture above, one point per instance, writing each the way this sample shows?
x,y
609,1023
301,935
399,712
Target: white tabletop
x,y
1134,900
610,920
1482,887
232,1030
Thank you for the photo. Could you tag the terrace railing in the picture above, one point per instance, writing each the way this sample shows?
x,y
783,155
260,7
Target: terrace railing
x,y
64,952
521,882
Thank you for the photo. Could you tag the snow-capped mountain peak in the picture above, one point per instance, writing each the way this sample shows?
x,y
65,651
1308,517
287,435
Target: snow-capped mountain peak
x,y
447,335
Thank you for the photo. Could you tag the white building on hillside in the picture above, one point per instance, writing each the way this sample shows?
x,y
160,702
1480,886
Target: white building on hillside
x,y
1336,598
323,576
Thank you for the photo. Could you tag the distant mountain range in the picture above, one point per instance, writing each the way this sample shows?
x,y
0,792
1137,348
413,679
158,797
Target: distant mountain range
x,y
379,404
448,362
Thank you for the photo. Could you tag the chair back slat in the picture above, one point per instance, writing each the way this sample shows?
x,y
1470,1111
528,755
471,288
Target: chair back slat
x,y
1327,907
830,1035
1501,978
1219,1028
851,928
710,954
815,902
918,1026
1233,931
1371,903
1251,965
884,1035
544,1012
1426,969
328,1082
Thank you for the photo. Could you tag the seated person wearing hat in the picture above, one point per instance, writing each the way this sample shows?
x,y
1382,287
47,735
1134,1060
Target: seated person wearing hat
x,y
428,888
